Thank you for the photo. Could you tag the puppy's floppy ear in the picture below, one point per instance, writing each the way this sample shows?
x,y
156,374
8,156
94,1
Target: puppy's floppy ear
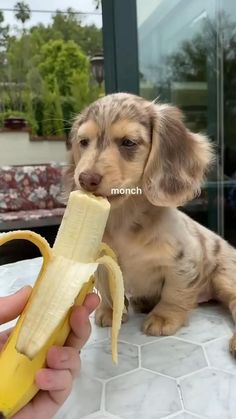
x,y
73,158
68,177
178,159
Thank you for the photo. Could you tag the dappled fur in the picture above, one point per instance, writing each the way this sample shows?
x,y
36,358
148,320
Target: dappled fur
x,y
170,262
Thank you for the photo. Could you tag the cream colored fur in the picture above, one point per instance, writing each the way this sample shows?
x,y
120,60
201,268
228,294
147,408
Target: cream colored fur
x,y
168,260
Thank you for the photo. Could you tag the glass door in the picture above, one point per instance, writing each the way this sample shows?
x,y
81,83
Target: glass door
x,y
181,61
227,25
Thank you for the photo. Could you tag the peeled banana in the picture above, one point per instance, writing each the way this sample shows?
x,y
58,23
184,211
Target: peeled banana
x,y
66,277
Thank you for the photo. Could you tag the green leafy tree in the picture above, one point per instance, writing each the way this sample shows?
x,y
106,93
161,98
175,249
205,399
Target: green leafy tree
x,y
4,32
19,58
196,60
48,111
45,71
57,121
34,81
52,112
60,61
29,111
66,24
4,36
69,26
19,63
22,12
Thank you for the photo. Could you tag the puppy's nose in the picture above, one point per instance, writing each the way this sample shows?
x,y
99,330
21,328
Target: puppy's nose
x,y
89,181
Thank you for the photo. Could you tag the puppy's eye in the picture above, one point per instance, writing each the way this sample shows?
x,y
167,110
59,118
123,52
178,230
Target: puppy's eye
x,y
128,143
84,142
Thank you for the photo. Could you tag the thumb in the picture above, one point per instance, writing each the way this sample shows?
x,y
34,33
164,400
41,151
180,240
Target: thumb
x,y
12,305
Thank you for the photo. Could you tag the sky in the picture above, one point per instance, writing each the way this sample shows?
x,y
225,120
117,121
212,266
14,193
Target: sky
x,y
78,5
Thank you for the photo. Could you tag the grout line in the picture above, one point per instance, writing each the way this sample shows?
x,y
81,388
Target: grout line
x,y
123,374
95,415
195,415
159,373
103,403
157,340
206,356
187,340
174,415
139,357
92,415
180,394
199,343
216,339
193,372
223,370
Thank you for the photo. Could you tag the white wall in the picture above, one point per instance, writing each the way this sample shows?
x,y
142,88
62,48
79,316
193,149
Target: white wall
x,y
16,148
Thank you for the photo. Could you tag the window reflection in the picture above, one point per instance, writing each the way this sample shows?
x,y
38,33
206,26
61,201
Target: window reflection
x,y
187,56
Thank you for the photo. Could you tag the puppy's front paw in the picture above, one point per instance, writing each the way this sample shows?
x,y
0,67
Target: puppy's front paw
x,y
155,325
103,317
232,345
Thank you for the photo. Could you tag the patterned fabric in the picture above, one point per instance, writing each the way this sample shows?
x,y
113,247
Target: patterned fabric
x,y
27,188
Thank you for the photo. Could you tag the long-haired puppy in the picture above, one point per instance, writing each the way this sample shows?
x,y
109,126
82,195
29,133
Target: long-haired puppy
x,y
168,260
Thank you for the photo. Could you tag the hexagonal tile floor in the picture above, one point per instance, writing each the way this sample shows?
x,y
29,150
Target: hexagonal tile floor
x,y
186,376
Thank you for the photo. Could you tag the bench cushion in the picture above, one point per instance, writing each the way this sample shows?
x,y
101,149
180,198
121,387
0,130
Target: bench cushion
x,y
29,188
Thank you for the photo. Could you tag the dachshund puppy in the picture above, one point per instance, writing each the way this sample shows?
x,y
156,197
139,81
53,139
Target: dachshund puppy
x,y
169,261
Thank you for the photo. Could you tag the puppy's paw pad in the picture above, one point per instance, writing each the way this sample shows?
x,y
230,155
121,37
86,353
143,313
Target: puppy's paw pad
x,y
232,345
155,325
103,317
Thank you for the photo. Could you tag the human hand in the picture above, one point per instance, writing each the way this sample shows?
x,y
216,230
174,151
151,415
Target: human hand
x,y
63,363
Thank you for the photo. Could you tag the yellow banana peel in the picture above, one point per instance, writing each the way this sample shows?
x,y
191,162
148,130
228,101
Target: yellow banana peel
x,y
65,278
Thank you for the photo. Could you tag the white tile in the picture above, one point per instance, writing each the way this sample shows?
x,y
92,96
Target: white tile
x,y
131,331
84,399
202,329
183,415
219,355
97,333
97,359
230,323
173,357
14,276
142,394
210,393
217,310
213,309
101,416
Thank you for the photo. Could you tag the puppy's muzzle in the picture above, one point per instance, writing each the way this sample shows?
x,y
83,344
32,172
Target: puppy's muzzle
x,y
90,181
